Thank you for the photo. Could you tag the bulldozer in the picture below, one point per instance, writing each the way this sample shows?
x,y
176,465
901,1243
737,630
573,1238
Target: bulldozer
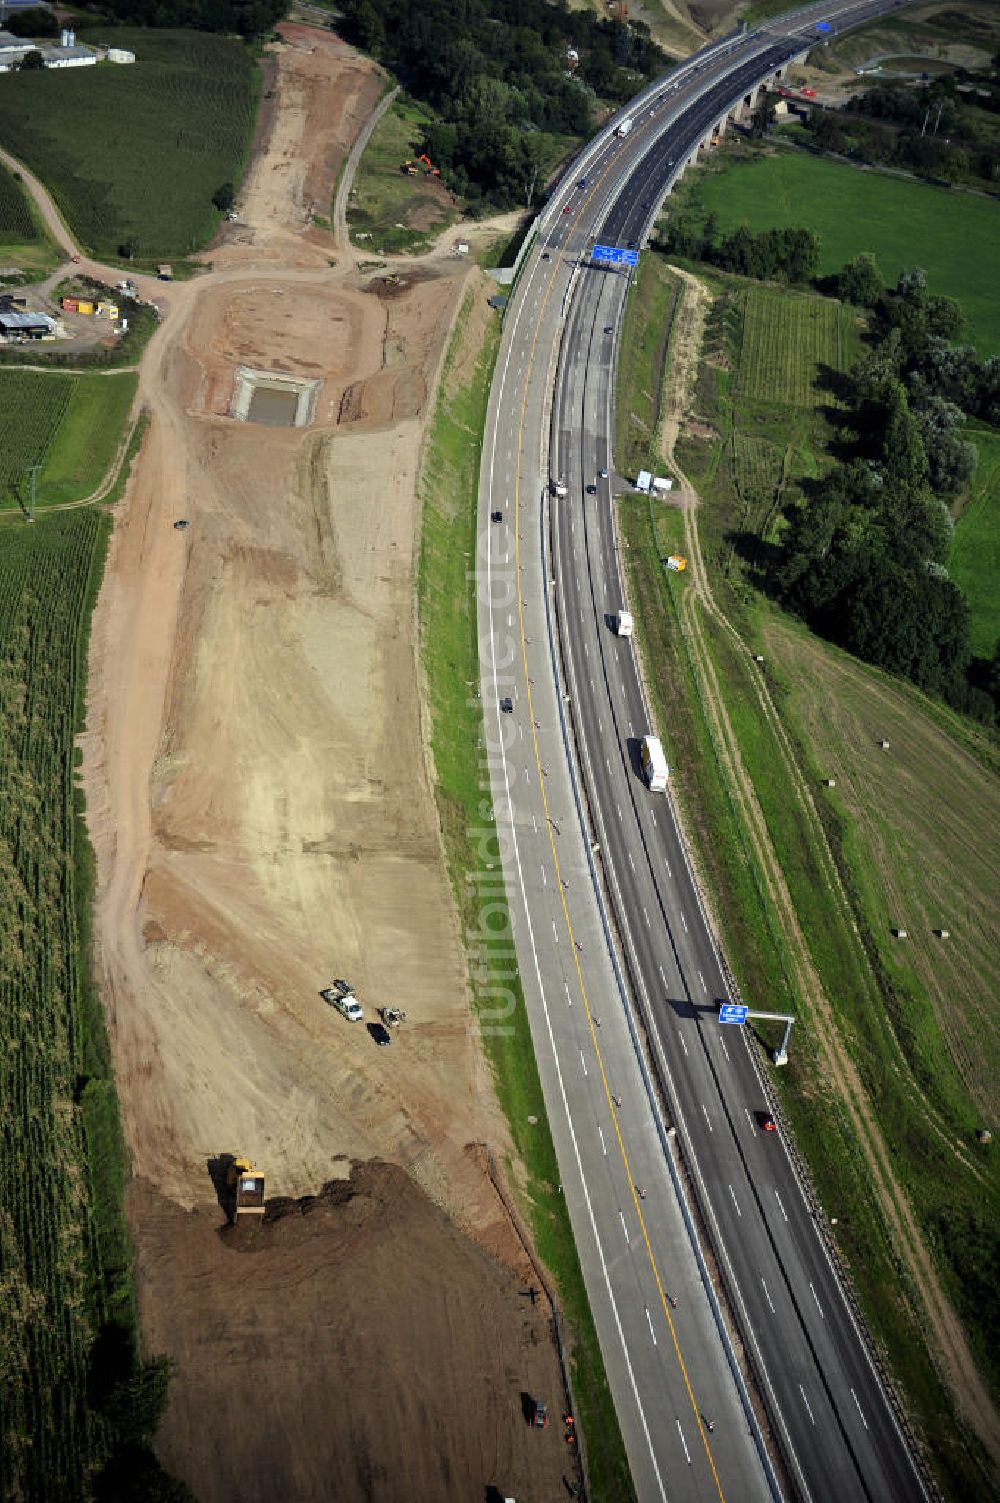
x,y
246,1186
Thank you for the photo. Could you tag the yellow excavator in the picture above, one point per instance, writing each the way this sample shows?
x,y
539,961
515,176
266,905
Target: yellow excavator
x,y
246,1185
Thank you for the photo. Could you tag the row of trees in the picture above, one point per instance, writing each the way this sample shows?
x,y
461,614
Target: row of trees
x,y
246,18
498,76
863,558
789,255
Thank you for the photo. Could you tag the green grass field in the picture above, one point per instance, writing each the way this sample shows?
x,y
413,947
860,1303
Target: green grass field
x,y
975,554
383,198
137,152
642,358
68,425
447,596
786,341
955,237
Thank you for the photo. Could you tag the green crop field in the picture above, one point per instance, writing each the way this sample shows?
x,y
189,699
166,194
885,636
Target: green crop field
x,y
975,554
955,237
68,425
32,406
48,574
136,153
16,224
785,342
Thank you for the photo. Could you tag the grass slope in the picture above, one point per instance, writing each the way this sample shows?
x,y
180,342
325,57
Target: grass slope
x,y
955,237
975,554
137,151
450,656
392,211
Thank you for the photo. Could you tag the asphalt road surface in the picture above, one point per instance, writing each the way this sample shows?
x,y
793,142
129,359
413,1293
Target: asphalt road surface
x,y
621,973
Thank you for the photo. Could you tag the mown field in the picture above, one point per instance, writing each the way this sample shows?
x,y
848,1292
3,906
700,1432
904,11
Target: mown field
x,y
447,602
68,425
975,556
955,237
134,154
912,841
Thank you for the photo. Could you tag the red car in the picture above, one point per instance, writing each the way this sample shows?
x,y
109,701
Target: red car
x,y
767,1122
566,208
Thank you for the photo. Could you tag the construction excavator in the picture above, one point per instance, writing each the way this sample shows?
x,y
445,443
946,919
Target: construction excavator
x,y
423,164
246,1187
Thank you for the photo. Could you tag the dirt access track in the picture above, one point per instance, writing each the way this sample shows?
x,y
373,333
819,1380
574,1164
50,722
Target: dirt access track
x,y
259,801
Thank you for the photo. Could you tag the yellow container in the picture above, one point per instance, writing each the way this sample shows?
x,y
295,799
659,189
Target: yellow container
x,y
83,307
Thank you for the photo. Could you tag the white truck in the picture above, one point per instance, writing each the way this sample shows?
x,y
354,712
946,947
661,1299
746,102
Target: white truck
x,y
624,623
340,996
654,764
558,487
625,126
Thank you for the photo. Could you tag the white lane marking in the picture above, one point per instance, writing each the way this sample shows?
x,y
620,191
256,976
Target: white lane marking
x,y
685,923
649,1319
767,1296
806,1402
687,1453
569,999
545,880
510,620
607,763
722,1045
662,977
819,1307
652,816
603,1144
534,824
735,1201
681,1037
753,1125
646,917
702,980
600,728
583,1062
555,932
860,1410
630,861
780,1206
625,1229
619,808
669,872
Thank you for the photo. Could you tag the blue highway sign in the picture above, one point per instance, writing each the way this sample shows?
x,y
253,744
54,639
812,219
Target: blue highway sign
x,y
615,256
822,26
732,1012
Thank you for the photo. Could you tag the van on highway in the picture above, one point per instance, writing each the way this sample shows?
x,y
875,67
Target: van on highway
x,y
654,764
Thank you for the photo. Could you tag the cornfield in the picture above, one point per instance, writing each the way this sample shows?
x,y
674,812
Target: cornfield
x,y
16,224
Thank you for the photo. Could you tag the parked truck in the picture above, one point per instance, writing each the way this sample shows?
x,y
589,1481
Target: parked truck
x,y
340,996
625,126
654,764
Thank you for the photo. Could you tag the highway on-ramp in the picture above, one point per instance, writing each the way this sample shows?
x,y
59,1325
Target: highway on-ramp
x,y
621,973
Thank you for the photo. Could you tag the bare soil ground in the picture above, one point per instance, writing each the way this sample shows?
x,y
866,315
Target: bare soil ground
x,y
354,1346
263,820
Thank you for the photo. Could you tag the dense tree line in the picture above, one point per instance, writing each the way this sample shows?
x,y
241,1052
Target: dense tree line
x,y
933,133
790,255
863,556
498,77
246,18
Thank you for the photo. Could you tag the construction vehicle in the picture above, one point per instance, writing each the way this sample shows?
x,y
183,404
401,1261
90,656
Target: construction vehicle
x,y
423,163
246,1185
392,1016
340,995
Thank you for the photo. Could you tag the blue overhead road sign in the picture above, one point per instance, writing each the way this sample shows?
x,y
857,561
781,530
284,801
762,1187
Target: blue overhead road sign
x,y
615,256
822,26
732,1012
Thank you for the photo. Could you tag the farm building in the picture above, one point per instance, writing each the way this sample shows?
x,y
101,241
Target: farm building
x,y
17,326
12,50
68,54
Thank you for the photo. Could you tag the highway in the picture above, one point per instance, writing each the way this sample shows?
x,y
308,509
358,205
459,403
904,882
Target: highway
x,y
621,972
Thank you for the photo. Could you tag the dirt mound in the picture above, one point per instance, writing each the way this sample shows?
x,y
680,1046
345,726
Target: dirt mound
x,y
330,1337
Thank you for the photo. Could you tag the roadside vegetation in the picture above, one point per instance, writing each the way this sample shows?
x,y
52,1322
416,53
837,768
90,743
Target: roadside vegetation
x,y
181,117
81,1402
447,597
768,409
974,564
69,426
503,97
389,209
954,237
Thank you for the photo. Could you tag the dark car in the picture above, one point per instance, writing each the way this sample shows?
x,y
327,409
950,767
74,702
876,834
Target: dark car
x,y
540,1416
507,705
631,245
380,1034
496,516
181,524
546,256
582,183
591,490
608,329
